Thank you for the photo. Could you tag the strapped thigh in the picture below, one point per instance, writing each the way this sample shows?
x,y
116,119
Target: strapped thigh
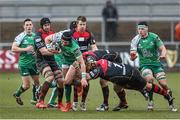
x,y
160,76
48,73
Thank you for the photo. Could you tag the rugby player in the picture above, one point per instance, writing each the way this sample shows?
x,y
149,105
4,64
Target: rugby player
x,y
24,44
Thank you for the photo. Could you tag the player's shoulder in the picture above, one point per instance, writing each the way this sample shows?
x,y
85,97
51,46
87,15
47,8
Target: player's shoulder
x,y
153,35
20,36
136,39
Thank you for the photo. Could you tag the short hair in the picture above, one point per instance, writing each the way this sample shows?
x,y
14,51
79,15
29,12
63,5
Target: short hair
x,y
81,18
27,19
143,23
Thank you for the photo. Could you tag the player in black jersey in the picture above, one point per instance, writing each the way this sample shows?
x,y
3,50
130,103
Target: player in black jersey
x,y
47,65
122,74
125,76
114,57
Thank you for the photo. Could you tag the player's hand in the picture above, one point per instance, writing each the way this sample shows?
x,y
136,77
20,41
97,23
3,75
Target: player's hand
x,y
84,82
162,57
29,48
133,56
53,51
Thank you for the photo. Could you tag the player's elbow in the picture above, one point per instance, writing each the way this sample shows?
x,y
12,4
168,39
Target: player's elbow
x,y
14,49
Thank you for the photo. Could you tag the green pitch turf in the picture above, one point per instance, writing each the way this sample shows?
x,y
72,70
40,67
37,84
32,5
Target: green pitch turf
x,y
137,104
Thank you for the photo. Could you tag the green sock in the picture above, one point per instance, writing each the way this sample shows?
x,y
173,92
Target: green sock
x,y
150,95
34,93
53,96
68,93
19,91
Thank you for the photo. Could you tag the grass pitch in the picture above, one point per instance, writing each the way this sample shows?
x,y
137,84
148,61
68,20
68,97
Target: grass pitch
x,y
9,109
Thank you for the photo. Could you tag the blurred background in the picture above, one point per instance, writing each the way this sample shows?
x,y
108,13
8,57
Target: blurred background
x,y
162,16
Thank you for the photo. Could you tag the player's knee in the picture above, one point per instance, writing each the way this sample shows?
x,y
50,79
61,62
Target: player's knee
x,y
117,88
148,75
26,86
103,83
49,76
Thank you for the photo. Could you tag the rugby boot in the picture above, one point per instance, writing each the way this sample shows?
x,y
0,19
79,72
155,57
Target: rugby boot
x,y
41,104
102,108
67,108
75,106
60,105
170,101
120,106
83,106
150,105
18,99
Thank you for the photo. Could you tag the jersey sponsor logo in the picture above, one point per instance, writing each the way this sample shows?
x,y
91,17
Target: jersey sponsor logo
x,y
81,39
83,48
25,42
91,74
38,40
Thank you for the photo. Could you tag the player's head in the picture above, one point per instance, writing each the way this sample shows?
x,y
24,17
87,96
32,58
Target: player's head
x,y
73,25
66,38
28,26
90,63
108,3
142,28
81,23
45,24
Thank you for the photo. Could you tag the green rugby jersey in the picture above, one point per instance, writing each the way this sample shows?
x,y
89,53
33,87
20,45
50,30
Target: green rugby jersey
x,y
58,59
71,52
24,40
147,49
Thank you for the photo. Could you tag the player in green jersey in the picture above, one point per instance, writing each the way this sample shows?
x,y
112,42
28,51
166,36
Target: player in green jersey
x,y
70,52
150,50
24,44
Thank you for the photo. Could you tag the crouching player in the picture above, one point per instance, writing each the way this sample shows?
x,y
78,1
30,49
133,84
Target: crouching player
x,y
123,75
114,57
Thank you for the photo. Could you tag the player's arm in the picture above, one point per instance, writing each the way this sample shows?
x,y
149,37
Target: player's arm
x,y
163,52
133,49
81,62
48,39
162,48
40,45
17,41
95,73
15,48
